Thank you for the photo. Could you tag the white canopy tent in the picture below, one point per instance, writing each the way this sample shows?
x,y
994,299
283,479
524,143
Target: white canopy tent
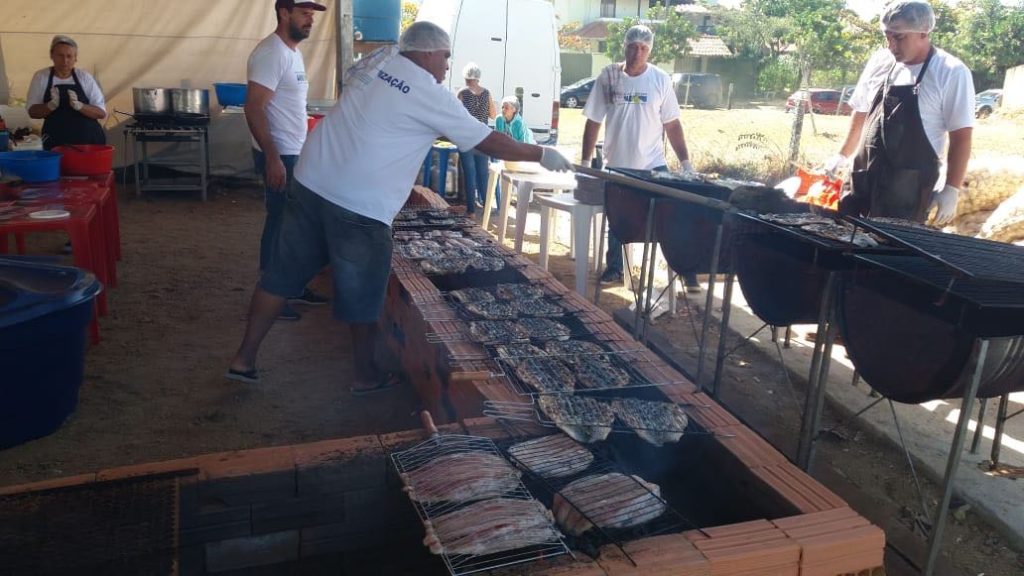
x,y
167,44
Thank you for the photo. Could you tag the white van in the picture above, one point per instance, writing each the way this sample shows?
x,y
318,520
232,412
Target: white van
x,y
515,44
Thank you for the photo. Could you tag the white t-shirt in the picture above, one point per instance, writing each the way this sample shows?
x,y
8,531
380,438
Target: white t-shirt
x,y
365,154
37,87
279,68
945,96
637,109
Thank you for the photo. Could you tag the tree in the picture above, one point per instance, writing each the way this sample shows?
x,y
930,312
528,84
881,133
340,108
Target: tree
x,y
569,41
671,29
409,12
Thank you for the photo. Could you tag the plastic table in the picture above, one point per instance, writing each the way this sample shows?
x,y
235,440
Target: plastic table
x,y
523,183
82,226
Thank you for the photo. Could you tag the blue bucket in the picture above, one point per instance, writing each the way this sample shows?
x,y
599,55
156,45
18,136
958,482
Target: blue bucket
x,y
230,94
32,165
377,20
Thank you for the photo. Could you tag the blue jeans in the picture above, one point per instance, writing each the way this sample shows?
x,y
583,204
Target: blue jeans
x,y
474,164
275,201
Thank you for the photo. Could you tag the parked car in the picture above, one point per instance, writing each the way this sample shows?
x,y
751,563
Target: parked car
x,y
820,101
575,95
986,102
705,90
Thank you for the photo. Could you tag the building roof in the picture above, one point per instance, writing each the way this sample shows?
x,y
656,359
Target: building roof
x,y
691,9
596,30
708,46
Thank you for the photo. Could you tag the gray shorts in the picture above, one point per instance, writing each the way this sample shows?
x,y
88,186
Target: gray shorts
x,y
315,232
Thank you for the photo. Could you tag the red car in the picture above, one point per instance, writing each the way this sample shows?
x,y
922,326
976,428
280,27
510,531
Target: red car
x,y
820,101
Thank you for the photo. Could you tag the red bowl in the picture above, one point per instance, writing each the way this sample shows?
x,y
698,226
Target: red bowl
x,y
312,120
85,159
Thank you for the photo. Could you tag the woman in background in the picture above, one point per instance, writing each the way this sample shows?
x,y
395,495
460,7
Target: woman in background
x,y
68,100
478,102
511,123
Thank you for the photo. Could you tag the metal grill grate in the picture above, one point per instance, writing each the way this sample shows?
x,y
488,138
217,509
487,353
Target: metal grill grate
x,y
554,472
408,461
117,527
974,257
980,292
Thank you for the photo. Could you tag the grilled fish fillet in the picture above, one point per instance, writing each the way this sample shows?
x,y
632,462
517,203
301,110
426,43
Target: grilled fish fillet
x,y
609,501
490,310
654,421
583,418
471,295
491,526
554,456
461,477
518,291
537,308
544,374
512,354
544,328
485,331
596,374
573,347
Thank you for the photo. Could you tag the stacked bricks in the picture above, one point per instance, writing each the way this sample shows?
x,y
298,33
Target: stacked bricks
x,y
747,461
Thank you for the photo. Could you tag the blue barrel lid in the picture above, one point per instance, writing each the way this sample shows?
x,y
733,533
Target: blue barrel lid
x,y
32,287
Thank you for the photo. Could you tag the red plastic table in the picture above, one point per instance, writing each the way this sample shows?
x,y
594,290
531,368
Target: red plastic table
x,y
69,191
82,226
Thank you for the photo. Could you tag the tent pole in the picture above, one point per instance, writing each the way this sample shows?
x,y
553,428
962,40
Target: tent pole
x,y
343,36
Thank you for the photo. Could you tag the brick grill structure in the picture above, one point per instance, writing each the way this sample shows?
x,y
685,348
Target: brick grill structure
x,y
340,498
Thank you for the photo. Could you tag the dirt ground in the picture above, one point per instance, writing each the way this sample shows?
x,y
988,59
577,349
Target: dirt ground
x,y
154,387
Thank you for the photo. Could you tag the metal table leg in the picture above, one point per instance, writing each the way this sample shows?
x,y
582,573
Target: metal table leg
x,y
204,162
726,313
639,299
976,441
955,451
709,301
814,386
997,441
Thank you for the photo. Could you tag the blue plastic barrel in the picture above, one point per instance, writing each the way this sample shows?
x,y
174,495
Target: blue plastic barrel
x,y
377,20
44,312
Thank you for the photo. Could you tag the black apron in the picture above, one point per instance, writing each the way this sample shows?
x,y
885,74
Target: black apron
x,y
66,126
895,169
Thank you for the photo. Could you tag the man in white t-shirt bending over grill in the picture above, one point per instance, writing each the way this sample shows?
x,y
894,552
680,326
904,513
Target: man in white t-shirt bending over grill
x,y
638,106
354,174
275,109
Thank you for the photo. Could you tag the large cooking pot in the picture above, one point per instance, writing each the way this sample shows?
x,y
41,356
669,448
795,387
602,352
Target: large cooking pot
x,y
190,101
151,102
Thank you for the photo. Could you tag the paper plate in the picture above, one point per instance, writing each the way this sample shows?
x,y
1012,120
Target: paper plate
x,y
49,214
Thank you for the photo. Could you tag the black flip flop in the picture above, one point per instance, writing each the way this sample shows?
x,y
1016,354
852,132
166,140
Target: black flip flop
x,y
389,381
247,377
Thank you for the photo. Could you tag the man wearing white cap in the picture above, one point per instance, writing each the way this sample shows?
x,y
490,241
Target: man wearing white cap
x,y
909,97
638,106
354,174
275,109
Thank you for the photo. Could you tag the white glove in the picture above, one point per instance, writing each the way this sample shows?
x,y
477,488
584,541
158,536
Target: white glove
x,y
944,202
73,101
54,99
686,168
835,164
553,160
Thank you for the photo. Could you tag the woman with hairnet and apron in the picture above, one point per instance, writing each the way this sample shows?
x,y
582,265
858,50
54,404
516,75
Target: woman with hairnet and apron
x,y
68,100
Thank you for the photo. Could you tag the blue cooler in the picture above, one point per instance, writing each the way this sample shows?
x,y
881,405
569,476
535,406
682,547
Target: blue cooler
x,y
44,312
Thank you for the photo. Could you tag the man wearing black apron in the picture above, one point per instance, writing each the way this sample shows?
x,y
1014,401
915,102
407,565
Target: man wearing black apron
x,y
909,97
68,100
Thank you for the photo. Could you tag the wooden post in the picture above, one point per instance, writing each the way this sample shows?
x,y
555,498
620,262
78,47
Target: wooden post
x,y
344,50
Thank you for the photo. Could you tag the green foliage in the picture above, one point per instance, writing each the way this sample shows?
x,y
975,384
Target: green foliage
x,y
985,34
569,41
671,32
779,75
409,11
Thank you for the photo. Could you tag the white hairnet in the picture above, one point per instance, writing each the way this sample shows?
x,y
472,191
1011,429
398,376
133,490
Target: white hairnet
x,y
512,101
908,16
639,33
424,37
471,71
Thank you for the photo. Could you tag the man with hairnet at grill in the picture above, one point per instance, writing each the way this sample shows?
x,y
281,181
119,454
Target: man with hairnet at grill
x,y
353,175
638,106
909,97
